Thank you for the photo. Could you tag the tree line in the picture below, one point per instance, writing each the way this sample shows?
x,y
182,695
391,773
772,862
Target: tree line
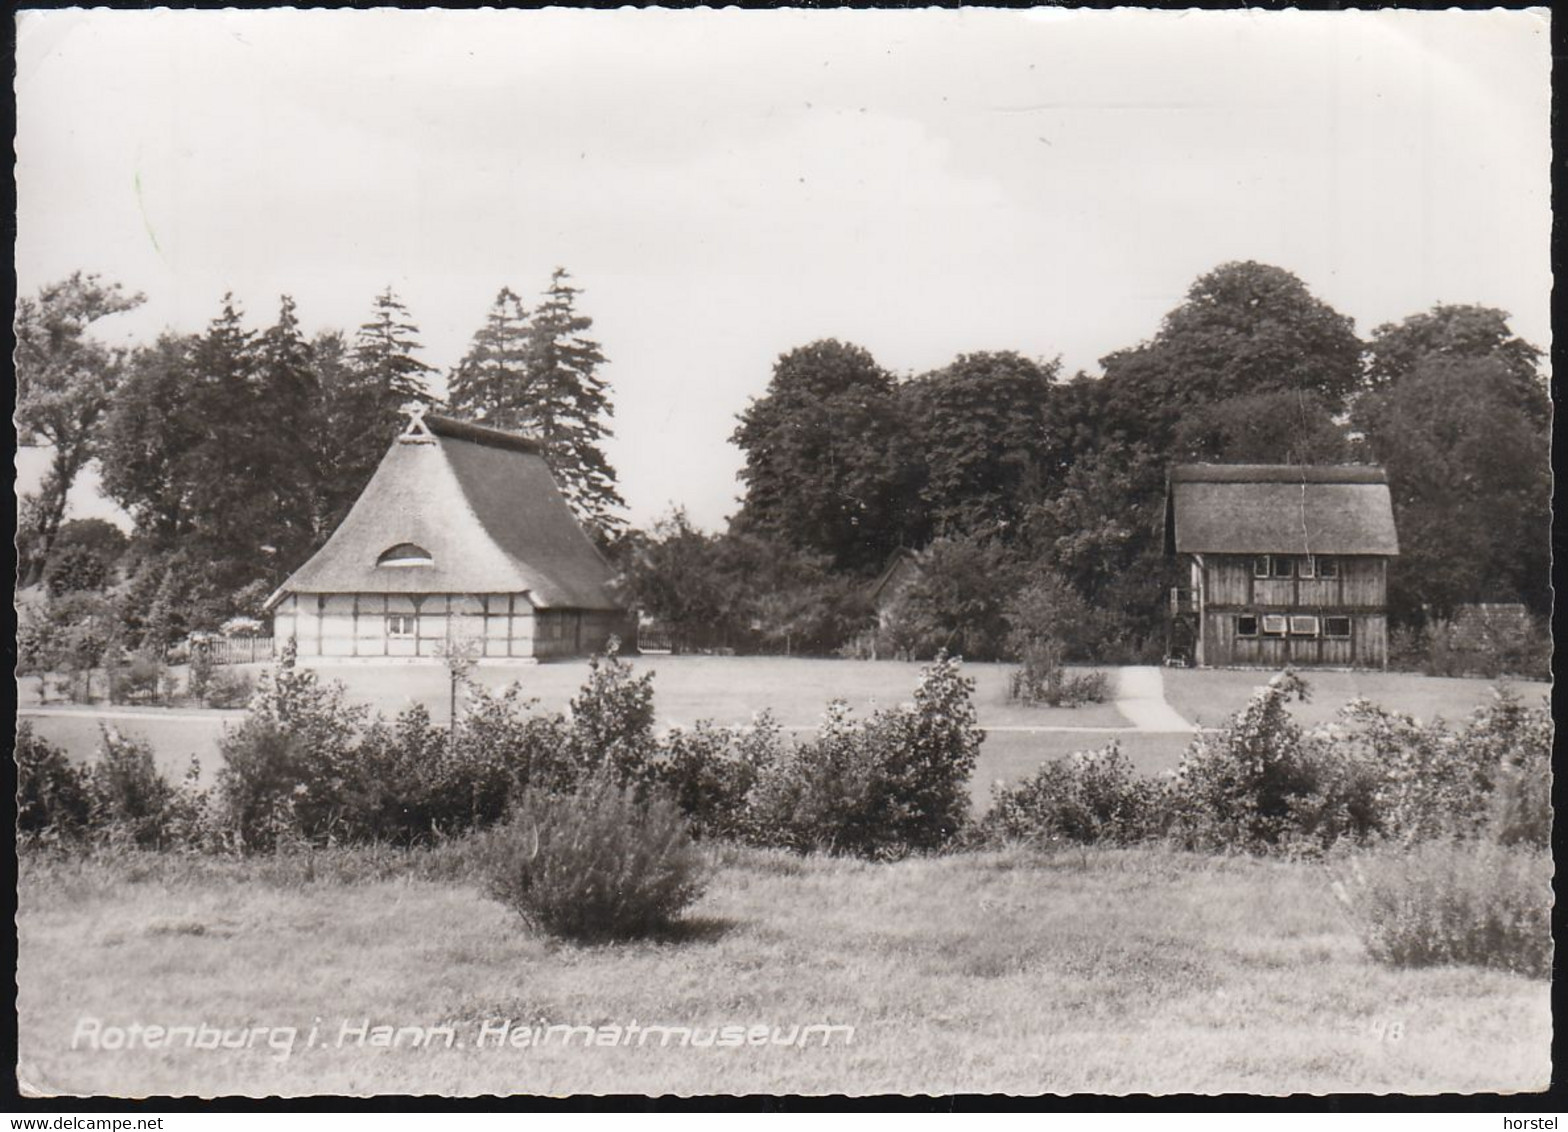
x,y
1005,473
237,451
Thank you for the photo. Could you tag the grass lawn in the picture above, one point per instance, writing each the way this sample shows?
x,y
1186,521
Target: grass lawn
x,y
1115,971
1207,696
731,689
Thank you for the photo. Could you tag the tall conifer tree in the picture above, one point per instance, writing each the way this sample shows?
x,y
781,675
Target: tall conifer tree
x,y
490,384
570,404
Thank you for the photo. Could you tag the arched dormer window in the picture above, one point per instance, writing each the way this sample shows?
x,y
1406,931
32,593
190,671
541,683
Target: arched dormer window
x,y
405,554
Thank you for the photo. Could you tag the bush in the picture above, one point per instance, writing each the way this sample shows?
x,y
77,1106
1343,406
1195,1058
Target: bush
x,y
202,669
506,741
130,797
1438,781
1477,643
1260,784
1041,679
612,718
225,688
1087,797
1235,789
286,765
595,864
893,785
700,771
1452,902
141,679
53,796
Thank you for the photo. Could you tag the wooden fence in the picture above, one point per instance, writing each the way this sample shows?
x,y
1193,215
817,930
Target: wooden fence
x,y
239,650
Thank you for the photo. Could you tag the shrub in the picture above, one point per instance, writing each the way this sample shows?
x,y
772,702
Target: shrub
x,y
226,688
1438,781
1087,797
1452,902
1234,789
612,718
262,764
202,670
1261,785
1042,679
1477,643
53,796
594,864
141,679
130,797
892,785
508,742
700,771
285,766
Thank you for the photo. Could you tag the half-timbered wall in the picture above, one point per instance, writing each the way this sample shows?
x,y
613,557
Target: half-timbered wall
x,y
370,626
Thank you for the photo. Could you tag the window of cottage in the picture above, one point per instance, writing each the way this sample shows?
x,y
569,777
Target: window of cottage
x,y
405,554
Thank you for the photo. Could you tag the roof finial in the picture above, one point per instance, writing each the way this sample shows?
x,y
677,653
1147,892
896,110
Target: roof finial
x,y
417,432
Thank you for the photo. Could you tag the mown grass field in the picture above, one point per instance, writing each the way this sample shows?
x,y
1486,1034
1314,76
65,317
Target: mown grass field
x,y
1111,971
1206,696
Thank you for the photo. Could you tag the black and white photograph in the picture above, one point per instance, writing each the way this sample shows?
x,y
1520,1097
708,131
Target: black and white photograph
x,y
782,552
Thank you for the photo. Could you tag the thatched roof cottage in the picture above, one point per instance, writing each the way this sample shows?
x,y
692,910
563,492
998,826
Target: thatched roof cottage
x,y
461,535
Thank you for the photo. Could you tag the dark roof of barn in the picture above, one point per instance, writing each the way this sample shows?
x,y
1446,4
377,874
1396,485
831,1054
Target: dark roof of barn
x,y
483,504
1279,509
903,560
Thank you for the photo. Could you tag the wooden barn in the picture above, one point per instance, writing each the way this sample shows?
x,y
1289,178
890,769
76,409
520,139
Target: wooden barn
x,y
1287,565
461,535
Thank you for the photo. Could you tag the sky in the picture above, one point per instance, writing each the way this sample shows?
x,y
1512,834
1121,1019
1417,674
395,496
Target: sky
x,y
728,185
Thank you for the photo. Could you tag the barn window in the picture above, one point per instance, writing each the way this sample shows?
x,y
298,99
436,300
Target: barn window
x,y
1303,625
1306,568
1282,565
1260,566
1336,627
405,554
1328,567
400,624
1247,625
1275,624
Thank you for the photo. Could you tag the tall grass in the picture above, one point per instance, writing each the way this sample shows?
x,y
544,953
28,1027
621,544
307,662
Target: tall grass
x,y
1446,902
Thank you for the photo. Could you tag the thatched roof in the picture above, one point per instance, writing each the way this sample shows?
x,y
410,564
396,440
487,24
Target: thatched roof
x,y
1278,509
482,503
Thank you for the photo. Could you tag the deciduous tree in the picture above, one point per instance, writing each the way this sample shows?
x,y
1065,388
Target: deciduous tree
x,y
64,382
828,460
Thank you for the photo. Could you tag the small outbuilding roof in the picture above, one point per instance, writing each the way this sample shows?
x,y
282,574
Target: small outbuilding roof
x,y
480,505
1279,509
901,569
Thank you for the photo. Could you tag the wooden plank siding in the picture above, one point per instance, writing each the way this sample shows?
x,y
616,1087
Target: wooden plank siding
x,y
1227,590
